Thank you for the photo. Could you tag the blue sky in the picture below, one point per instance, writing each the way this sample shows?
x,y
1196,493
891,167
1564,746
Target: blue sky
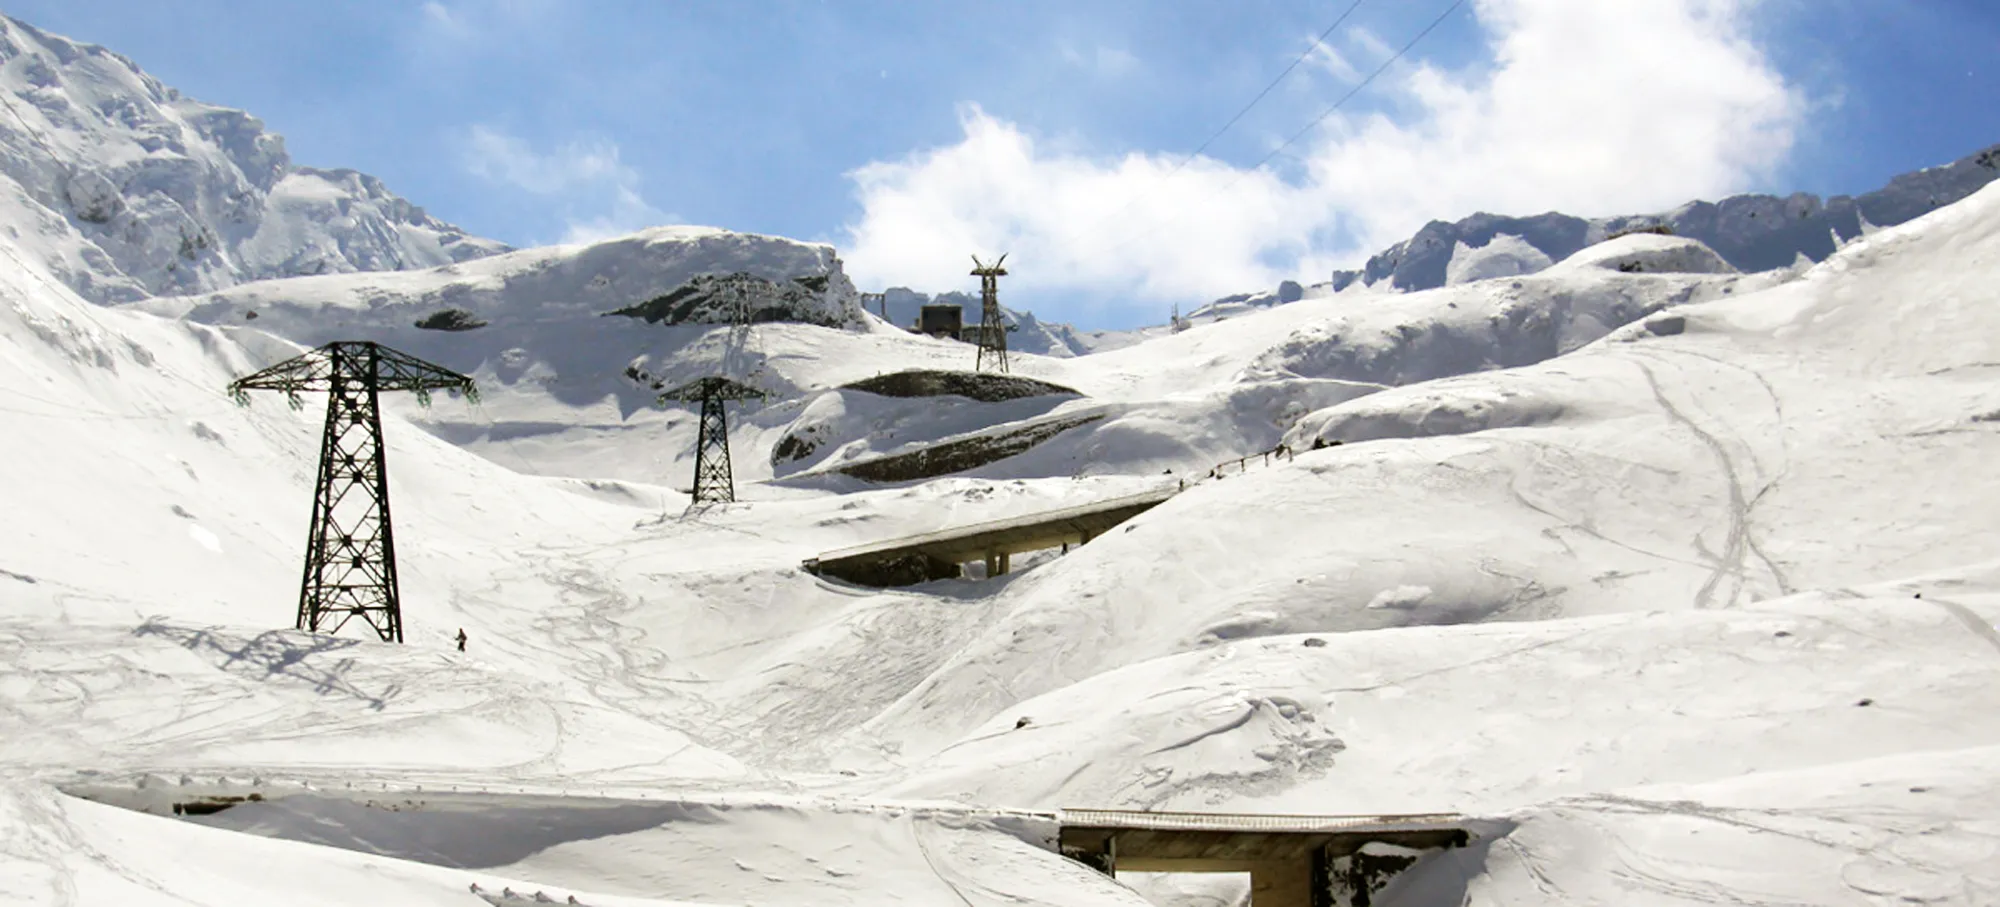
x,y
912,133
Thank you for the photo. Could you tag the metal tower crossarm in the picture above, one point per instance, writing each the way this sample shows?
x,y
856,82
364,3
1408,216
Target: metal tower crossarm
x,y
350,568
714,482
717,388
348,361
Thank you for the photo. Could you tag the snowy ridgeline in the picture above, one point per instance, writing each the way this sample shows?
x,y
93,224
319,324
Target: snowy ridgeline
x,y
570,374
128,189
570,377
1749,232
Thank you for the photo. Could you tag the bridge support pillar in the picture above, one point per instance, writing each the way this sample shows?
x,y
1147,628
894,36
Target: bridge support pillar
x,y
1293,861
1283,883
996,564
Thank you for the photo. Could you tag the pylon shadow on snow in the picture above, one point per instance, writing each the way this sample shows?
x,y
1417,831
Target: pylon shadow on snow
x,y
694,511
700,509
275,654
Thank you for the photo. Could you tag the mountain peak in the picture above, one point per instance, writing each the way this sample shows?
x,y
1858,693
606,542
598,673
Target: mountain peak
x,y
130,189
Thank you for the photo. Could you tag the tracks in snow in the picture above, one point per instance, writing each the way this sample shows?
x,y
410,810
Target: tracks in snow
x,y
1729,580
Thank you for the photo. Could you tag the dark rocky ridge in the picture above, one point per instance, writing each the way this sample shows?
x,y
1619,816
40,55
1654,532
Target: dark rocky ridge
x,y
947,457
1751,232
986,388
721,298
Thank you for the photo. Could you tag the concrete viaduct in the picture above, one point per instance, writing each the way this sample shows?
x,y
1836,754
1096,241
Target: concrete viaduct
x,y
939,555
1293,861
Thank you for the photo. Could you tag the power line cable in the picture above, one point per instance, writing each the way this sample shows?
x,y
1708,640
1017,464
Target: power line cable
x,y
84,309
1240,114
68,411
1364,83
1317,43
78,413
33,135
1357,89
36,137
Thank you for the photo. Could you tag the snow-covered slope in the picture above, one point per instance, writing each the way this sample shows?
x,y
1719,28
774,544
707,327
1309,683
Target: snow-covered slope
x,y
572,344
1710,457
570,391
1695,568
127,189
137,647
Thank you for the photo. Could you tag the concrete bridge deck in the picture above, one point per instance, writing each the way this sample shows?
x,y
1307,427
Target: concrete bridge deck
x,y
937,555
1293,861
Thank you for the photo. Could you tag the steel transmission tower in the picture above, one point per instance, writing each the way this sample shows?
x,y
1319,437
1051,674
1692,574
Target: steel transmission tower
x,y
351,556
992,331
714,483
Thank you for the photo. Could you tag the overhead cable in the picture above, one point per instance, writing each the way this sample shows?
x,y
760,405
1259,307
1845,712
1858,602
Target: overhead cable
x,y
1301,58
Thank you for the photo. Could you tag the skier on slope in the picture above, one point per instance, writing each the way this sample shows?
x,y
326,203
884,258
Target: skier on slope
x,y
461,639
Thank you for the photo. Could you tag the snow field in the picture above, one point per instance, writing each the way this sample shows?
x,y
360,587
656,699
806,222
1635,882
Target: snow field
x,y
1651,555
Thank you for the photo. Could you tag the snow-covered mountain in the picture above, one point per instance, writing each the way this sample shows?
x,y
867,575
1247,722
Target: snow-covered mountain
x,y
128,189
573,344
1646,603
1751,232
1239,303
1678,581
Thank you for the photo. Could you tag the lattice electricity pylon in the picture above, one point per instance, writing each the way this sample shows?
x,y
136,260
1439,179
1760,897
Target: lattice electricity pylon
x,y
739,360
992,331
351,556
714,483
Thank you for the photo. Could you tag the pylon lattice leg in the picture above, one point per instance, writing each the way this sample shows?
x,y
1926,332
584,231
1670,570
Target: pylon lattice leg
x,y
713,481
350,569
992,329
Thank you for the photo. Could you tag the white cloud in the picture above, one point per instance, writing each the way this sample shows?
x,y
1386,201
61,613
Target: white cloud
x,y
1588,107
1115,61
628,213
587,176
1102,59
443,20
1373,47
504,158
1331,61
464,20
995,191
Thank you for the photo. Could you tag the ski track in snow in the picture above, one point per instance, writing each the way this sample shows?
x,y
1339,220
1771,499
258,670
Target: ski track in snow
x,y
1730,563
1979,626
